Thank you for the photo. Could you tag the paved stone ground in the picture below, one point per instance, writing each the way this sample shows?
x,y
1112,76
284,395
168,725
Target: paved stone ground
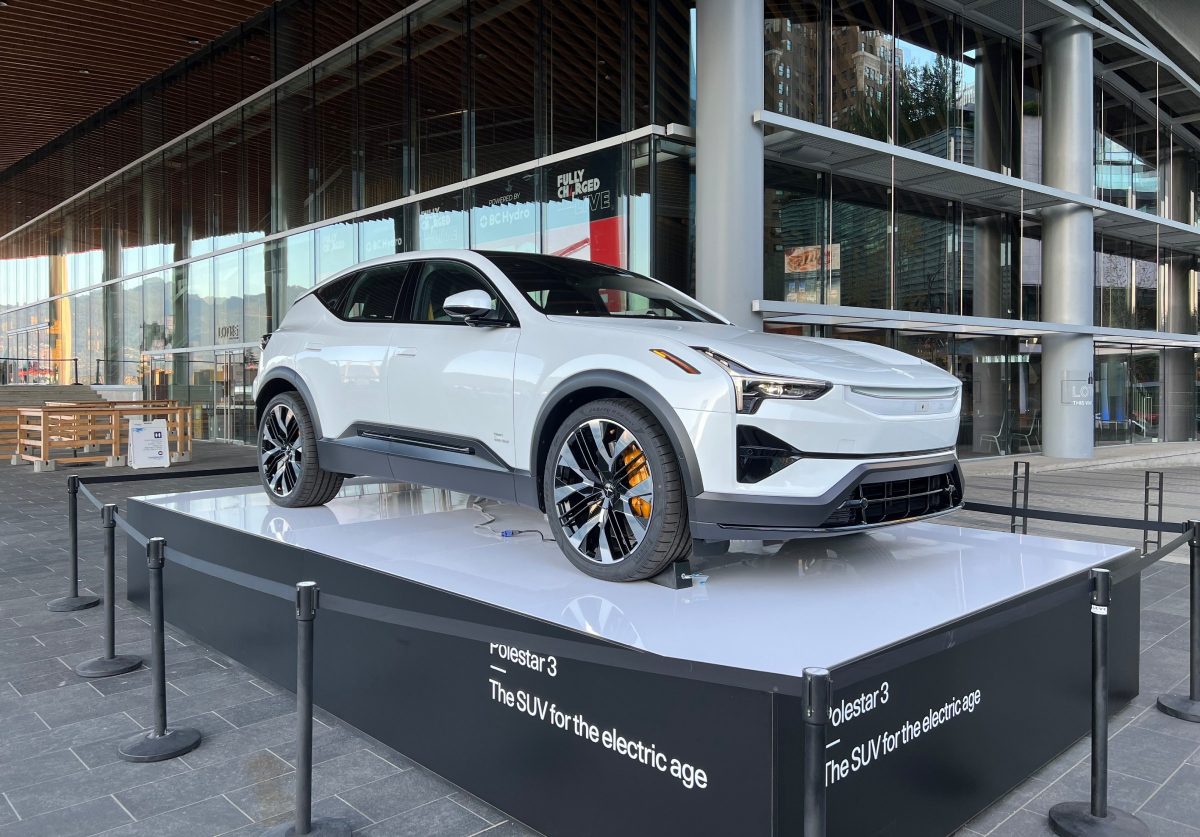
x,y
59,771
1154,759
59,774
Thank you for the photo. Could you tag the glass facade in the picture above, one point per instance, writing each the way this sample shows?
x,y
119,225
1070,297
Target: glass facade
x,y
921,78
157,241
469,123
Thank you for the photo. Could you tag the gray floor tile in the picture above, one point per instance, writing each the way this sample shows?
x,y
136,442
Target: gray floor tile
x,y
70,790
31,771
1146,754
196,785
1023,823
440,818
1125,792
1167,828
398,793
225,745
335,776
1179,798
203,819
479,808
91,817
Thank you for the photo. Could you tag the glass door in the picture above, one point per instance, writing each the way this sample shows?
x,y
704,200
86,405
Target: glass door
x,y
233,409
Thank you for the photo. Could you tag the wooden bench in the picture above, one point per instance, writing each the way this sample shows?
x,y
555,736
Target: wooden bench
x,y
97,433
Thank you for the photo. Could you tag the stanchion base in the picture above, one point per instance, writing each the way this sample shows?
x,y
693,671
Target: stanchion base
x,y
100,667
68,603
1074,819
147,746
1181,707
322,827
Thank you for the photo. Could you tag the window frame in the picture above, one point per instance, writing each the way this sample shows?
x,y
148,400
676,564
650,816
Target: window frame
x,y
412,282
337,308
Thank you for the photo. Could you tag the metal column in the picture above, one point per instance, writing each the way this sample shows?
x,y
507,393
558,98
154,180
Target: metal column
x,y
729,157
1067,250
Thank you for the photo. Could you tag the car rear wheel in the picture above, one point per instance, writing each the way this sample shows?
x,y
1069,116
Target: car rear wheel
x,y
287,455
613,492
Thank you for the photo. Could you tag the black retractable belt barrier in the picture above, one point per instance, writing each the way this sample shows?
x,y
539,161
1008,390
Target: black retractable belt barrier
x,y
110,664
307,595
160,743
73,601
817,699
1187,707
1085,819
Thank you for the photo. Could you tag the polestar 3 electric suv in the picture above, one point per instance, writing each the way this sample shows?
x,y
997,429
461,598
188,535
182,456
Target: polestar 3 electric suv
x,y
636,418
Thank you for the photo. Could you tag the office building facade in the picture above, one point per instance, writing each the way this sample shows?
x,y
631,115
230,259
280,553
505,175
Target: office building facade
x,y
1007,190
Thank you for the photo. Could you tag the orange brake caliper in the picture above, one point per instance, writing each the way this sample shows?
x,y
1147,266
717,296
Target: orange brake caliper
x,y
639,505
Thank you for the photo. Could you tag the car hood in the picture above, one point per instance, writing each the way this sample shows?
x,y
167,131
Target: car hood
x,y
847,362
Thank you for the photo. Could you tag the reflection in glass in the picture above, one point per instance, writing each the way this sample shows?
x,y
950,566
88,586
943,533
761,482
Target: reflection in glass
x,y
200,320
860,221
585,211
503,104
336,249
438,54
442,223
504,215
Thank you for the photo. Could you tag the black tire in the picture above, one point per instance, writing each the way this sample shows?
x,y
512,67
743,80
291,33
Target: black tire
x,y
291,473
600,498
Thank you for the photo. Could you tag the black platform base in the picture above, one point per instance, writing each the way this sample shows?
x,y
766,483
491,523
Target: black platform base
x,y
1181,707
69,603
960,659
146,746
1074,819
102,667
319,828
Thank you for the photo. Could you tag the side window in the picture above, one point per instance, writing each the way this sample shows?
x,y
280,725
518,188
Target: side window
x,y
331,293
438,280
374,294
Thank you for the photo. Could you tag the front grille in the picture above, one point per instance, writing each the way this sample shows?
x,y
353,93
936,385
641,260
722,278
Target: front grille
x,y
896,500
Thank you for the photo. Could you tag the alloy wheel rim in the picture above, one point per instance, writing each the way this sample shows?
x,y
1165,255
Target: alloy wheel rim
x,y
603,491
281,452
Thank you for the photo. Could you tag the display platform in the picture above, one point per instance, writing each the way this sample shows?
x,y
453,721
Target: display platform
x,y
960,658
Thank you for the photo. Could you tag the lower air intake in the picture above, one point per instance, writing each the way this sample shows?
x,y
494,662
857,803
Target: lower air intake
x,y
897,500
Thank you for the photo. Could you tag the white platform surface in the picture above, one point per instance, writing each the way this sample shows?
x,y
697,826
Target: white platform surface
x,y
774,608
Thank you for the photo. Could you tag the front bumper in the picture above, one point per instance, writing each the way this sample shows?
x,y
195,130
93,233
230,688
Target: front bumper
x,y
871,495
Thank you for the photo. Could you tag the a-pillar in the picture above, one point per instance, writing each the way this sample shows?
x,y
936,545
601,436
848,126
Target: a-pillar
x,y
1179,365
1067,252
729,157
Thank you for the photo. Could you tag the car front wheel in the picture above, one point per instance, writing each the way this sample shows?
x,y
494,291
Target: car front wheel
x,y
287,455
613,492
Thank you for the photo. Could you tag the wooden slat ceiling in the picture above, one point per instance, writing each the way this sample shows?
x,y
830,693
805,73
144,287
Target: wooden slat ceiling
x,y
63,60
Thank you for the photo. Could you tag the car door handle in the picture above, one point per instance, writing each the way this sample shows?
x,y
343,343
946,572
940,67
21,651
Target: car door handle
x,y
314,346
405,351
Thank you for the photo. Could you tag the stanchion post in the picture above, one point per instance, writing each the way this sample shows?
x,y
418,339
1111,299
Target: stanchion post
x,y
160,743
1186,707
817,699
1095,817
307,599
73,601
110,664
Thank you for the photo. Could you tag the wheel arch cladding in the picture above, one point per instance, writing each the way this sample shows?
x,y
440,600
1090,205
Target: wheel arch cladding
x,y
285,380
593,386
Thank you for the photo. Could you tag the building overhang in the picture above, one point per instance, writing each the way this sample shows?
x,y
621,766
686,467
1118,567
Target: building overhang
x,y
790,140
845,316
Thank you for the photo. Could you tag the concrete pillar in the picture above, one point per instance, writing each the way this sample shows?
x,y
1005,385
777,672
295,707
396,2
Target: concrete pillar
x,y
729,157
1179,365
1067,248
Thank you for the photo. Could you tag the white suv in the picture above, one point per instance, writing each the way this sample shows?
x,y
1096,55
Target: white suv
x,y
635,417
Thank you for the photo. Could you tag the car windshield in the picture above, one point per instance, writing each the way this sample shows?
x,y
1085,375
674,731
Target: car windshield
x,y
568,287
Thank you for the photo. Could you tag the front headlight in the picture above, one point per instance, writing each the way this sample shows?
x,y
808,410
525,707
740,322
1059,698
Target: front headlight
x,y
750,387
